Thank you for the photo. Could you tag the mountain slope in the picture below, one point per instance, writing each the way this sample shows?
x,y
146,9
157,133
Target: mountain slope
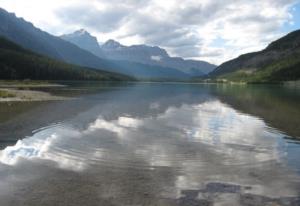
x,y
280,61
154,56
84,40
138,53
19,63
26,35
30,37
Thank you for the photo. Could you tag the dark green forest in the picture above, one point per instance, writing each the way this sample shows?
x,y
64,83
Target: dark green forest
x,y
17,63
287,69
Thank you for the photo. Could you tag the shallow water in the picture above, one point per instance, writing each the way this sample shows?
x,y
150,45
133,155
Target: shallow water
x,y
153,144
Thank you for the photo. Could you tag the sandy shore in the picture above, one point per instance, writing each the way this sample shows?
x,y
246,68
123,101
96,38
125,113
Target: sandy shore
x,y
29,95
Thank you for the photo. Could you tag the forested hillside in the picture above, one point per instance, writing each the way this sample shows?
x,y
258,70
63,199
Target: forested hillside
x,y
19,63
280,61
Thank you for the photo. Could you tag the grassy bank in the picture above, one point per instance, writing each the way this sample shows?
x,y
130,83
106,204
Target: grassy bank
x,y
26,90
6,94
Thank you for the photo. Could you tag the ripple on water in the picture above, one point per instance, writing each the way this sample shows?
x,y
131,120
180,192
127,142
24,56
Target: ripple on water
x,y
194,143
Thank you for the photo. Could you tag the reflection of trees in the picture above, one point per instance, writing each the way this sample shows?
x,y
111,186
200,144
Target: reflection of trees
x,y
277,106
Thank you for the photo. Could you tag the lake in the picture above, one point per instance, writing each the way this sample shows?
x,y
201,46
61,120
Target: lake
x,y
153,144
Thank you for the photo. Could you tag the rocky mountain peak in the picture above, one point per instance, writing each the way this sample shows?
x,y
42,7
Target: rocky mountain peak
x,y
85,40
111,44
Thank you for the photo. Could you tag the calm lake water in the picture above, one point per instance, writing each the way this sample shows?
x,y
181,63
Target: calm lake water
x,y
153,144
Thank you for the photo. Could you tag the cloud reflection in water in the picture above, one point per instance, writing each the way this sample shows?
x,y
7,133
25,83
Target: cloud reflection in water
x,y
210,123
199,142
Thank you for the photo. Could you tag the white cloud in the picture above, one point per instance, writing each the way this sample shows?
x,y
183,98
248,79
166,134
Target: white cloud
x,y
186,28
41,146
44,144
119,126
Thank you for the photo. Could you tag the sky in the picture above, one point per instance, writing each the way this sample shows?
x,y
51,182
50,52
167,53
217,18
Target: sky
x,y
209,30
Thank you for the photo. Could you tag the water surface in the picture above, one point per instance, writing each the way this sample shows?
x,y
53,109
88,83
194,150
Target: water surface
x,y
153,144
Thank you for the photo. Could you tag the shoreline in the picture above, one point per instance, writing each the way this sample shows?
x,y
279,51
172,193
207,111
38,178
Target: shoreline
x,y
16,95
23,91
27,84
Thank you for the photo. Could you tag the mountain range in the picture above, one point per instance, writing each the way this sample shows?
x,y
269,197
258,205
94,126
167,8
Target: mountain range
x,y
279,61
79,54
29,37
151,55
19,63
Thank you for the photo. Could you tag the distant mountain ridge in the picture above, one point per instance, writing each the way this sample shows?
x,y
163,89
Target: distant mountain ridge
x,y
26,35
17,63
280,61
152,55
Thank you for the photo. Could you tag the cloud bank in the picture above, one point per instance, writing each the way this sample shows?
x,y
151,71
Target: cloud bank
x,y
210,30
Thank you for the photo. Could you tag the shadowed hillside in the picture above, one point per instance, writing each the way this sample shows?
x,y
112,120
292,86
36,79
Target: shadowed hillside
x,y
19,63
